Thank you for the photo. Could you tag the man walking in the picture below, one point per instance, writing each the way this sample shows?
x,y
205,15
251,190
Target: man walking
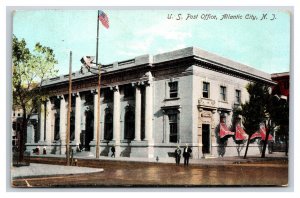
x,y
113,150
186,154
177,155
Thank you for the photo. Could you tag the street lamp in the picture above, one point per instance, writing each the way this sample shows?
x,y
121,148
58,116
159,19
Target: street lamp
x,y
87,61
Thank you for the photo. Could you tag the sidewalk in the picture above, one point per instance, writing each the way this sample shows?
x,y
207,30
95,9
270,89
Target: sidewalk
x,y
170,160
38,170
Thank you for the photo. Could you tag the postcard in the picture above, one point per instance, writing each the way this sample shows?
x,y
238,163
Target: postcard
x,y
150,97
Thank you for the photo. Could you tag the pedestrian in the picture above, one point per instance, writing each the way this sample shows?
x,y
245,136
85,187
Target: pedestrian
x,y
186,154
113,150
177,155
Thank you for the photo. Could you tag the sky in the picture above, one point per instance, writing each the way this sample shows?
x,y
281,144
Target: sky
x,y
262,44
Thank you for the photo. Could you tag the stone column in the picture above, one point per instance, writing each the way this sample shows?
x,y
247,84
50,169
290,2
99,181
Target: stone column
x,y
62,124
30,134
42,122
77,118
116,116
48,122
95,113
149,109
149,114
138,107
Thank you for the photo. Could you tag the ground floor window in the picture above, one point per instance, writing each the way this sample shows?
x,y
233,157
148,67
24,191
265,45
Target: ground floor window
x,y
129,125
173,128
108,126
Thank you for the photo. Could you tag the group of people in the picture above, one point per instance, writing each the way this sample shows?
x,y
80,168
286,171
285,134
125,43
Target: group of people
x,y
186,155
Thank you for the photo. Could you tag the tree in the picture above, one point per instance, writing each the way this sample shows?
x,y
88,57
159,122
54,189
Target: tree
x,y
277,114
30,70
263,107
253,111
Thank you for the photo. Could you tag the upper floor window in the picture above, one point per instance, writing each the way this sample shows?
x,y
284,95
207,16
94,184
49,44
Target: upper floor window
x,y
128,91
173,89
205,92
223,93
108,95
286,84
238,96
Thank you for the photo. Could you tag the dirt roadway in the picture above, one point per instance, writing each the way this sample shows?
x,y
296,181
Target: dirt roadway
x,y
139,174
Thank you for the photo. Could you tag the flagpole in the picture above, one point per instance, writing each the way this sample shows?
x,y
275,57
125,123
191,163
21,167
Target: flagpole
x,y
69,112
99,83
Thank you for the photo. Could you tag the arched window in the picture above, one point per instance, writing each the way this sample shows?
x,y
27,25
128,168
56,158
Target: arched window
x,y
108,126
129,125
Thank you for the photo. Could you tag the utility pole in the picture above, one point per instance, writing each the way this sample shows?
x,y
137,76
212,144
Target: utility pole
x,y
69,112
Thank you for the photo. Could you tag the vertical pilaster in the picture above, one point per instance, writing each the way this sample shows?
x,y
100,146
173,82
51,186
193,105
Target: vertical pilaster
x,y
138,107
77,118
48,122
62,124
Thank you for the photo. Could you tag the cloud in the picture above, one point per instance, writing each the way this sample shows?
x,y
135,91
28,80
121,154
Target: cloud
x,y
166,35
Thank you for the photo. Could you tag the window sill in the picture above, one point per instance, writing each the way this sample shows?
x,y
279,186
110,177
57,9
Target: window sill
x,y
170,99
223,101
128,98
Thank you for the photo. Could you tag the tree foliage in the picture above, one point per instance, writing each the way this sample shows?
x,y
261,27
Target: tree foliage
x,y
263,107
30,70
253,110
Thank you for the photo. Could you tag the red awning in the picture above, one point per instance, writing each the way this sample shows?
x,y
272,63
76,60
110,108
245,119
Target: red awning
x,y
263,133
224,131
255,135
240,134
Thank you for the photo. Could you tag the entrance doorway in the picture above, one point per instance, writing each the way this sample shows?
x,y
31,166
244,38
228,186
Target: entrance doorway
x,y
205,138
88,134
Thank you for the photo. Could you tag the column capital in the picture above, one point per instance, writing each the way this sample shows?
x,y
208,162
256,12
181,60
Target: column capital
x,y
146,83
94,91
76,94
60,97
114,88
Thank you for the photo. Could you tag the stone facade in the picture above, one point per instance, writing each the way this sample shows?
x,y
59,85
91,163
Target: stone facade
x,y
149,105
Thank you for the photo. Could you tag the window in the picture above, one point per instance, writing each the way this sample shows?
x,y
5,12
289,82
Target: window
x,y
173,89
286,84
223,93
108,95
222,118
129,125
173,128
128,91
108,126
205,92
56,127
238,96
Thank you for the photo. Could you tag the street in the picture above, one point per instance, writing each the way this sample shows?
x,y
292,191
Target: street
x,y
141,174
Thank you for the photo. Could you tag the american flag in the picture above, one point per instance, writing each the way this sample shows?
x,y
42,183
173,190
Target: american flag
x,y
104,19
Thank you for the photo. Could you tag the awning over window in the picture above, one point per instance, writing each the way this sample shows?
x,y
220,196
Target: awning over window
x,y
240,134
255,135
263,133
224,131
